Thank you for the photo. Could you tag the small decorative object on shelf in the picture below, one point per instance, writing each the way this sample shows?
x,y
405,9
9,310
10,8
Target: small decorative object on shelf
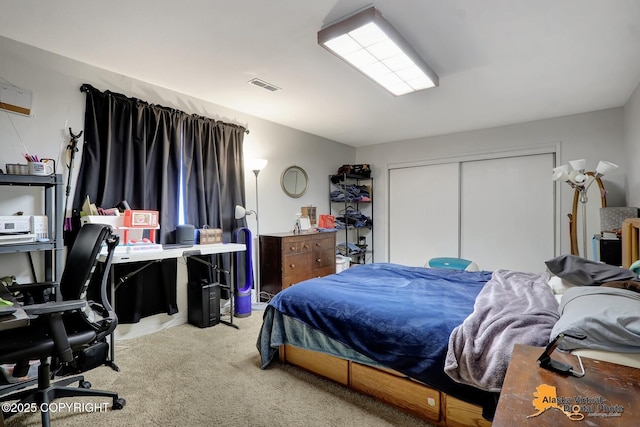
x,y
208,236
134,227
362,171
309,211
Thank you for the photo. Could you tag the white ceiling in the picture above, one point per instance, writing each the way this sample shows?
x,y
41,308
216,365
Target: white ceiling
x,y
499,61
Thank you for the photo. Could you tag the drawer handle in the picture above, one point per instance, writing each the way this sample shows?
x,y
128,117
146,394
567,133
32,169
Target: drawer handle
x,y
305,246
292,248
319,260
292,266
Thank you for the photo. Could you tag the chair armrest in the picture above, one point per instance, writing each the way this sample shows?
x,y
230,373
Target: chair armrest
x,y
53,307
51,313
32,286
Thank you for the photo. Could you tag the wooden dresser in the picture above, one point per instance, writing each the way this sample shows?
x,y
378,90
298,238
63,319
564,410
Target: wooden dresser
x,y
287,258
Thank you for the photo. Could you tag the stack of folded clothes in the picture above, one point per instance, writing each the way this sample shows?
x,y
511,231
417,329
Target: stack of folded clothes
x,y
350,249
351,193
353,218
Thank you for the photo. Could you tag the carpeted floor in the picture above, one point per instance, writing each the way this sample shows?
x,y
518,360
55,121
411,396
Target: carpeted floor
x,y
187,376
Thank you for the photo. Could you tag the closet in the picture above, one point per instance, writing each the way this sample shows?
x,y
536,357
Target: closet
x,y
497,210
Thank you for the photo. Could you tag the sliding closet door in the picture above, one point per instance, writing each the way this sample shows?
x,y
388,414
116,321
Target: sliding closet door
x,y
423,213
507,212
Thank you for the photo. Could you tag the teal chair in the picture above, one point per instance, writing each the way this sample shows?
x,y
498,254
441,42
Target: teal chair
x,y
453,263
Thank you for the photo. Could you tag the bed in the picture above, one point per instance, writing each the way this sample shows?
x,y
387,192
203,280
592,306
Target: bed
x,y
432,342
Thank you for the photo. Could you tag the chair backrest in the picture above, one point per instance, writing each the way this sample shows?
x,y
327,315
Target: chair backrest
x,y
82,260
79,271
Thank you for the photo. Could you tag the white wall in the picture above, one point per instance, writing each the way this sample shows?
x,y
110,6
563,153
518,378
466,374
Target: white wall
x,y
594,136
632,147
58,104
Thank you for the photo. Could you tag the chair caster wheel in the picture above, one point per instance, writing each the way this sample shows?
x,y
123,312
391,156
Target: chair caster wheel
x,y
84,384
119,403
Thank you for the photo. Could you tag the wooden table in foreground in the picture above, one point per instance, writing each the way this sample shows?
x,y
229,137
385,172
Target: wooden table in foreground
x,y
608,394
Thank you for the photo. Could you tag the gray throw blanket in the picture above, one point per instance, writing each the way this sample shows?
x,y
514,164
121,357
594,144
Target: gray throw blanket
x,y
512,308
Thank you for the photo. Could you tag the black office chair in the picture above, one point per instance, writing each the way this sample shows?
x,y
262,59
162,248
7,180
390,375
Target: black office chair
x,y
69,335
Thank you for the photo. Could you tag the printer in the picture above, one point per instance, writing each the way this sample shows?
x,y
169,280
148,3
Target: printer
x,y
23,229
15,224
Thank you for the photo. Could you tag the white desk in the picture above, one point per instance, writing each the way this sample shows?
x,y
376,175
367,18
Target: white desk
x,y
152,256
141,256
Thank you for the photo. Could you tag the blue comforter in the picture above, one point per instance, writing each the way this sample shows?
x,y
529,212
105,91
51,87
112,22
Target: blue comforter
x,y
398,316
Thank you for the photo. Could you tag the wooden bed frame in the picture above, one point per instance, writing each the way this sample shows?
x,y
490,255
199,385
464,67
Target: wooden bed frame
x,y
388,386
410,395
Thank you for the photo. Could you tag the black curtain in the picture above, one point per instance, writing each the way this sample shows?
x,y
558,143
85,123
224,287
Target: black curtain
x,y
213,173
135,151
213,176
131,152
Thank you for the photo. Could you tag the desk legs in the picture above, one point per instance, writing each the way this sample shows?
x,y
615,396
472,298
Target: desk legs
x,y
112,339
231,288
113,302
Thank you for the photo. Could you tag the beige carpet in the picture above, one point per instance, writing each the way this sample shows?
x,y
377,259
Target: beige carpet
x,y
187,376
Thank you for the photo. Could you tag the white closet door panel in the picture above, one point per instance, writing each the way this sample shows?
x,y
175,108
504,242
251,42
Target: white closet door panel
x,y
507,212
423,213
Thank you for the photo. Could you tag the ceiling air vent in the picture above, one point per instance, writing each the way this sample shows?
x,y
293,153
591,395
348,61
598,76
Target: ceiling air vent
x,y
264,85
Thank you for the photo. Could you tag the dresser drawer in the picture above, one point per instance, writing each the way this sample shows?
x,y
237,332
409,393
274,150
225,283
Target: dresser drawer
x,y
295,246
324,259
323,242
324,271
295,264
297,278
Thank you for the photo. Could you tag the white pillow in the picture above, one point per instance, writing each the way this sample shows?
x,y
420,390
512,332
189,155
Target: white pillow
x,y
558,285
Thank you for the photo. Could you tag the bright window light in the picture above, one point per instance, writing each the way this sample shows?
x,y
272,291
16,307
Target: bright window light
x,y
369,43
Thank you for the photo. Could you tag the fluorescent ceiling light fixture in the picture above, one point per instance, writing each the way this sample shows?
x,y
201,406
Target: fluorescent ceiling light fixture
x,y
369,42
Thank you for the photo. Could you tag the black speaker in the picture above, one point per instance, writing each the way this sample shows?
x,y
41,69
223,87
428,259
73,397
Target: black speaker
x,y
185,234
203,303
611,251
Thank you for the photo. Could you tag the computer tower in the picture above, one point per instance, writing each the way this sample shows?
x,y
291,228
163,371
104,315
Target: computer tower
x,y
203,303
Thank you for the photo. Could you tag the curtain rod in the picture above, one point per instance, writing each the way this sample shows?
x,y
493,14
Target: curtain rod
x,y
85,87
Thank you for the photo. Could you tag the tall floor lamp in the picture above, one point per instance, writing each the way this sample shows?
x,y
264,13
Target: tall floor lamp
x,y
256,165
573,173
